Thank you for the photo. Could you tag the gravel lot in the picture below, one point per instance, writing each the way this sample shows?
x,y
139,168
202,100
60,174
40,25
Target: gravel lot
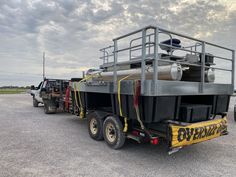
x,y
35,144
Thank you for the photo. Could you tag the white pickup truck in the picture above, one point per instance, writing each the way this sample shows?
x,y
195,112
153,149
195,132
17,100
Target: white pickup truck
x,y
51,93
36,94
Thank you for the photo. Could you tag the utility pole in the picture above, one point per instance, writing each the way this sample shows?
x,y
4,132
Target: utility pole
x,y
43,65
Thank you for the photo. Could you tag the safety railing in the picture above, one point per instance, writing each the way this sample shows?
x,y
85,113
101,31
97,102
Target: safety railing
x,y
106,55
148,45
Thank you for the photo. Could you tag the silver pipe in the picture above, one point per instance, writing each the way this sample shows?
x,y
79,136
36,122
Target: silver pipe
x,y
210,75
215,45
106,47
128,48
167,72
222,58
222,69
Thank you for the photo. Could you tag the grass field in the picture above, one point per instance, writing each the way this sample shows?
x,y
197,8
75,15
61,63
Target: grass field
x,y
12,90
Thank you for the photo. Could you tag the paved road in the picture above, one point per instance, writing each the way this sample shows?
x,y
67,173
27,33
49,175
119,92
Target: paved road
x,y
35,144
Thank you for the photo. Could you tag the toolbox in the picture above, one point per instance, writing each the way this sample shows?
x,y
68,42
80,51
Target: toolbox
x,y
194,112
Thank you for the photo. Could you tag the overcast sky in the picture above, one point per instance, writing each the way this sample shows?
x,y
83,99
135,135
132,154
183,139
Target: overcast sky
x,y
72,31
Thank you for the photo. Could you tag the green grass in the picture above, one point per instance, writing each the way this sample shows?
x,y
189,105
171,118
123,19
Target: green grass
x,y
12,90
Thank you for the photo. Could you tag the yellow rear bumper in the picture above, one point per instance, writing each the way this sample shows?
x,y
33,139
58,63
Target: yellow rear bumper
x,y
197,132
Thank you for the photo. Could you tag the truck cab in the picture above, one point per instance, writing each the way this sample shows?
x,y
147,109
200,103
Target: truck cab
x,y
35,92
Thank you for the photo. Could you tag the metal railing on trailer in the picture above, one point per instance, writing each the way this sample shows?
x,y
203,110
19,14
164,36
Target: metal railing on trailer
x,y
149,46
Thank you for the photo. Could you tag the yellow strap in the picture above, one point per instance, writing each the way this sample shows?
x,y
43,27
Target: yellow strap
x,y
119,102
137,111
80,101
76,101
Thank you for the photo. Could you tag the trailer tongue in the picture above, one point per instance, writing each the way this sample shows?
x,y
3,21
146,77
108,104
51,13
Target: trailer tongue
x,y
154,83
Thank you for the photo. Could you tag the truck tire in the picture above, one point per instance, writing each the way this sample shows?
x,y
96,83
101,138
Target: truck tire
x,y
49,109
95,124
35,103
113,132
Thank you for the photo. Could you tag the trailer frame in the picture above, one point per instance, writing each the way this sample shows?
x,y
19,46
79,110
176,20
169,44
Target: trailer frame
x,y
113,102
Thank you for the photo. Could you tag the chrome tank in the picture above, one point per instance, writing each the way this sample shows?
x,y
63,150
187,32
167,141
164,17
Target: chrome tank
x,y
167,72
210,75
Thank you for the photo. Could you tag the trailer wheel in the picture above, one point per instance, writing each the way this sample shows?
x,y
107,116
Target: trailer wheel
x,y
235,113
113,132
95,125
35,103
48,109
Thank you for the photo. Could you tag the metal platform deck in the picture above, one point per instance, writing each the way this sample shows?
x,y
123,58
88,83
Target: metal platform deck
x,y
163,88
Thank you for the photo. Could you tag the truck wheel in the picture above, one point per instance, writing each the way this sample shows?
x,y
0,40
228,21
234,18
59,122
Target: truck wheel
x,y
49,109
95,125
235,113
113,132
35,103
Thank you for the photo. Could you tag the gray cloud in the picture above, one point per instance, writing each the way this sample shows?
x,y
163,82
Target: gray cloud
x,y
72,31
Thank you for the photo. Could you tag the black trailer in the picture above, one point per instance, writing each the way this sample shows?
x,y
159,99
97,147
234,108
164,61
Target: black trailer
x,y
165,87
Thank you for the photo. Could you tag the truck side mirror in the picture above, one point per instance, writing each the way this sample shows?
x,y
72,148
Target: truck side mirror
x,y
32,87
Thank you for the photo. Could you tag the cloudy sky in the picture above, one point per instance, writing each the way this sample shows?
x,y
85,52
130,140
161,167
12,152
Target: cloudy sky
x,y
72,31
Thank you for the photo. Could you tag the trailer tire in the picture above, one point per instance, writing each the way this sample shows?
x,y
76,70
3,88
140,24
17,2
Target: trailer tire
x,y
113,132
35,102
95,124
48,109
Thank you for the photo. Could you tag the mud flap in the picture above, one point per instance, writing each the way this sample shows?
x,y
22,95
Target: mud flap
x,y
184,135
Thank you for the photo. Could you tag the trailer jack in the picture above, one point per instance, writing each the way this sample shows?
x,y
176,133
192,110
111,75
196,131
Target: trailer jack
x,y
174,150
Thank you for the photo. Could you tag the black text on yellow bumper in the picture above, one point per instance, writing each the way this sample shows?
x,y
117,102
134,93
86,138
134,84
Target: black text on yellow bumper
x,y
197,132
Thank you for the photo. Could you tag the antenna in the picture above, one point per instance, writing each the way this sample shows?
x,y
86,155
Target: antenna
x,y
43,65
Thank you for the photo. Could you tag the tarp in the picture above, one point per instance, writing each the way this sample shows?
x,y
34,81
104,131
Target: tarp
x,y
197,132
